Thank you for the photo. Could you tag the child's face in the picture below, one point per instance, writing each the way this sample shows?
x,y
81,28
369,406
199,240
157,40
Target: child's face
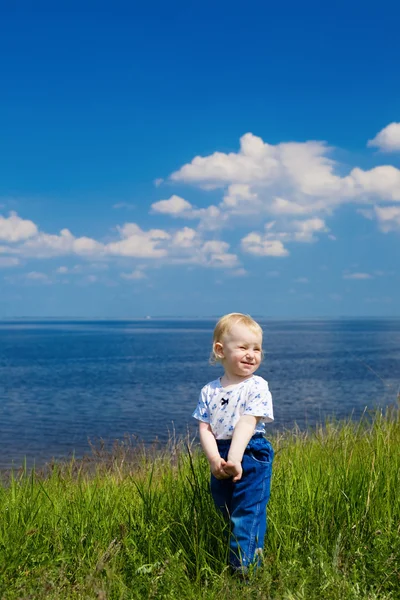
x,y
240,351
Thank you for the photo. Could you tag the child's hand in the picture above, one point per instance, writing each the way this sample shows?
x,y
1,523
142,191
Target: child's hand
x,y
233,469
217,465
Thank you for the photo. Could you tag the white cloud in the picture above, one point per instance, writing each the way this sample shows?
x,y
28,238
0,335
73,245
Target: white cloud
x,y
285,181
388,218
177,207
138,243
239,197
280,206
304,231
271,243
187,246
388,139
8,261
14,229
301,280
304,166
46,245
37,276
133,242
134,275
182,246
382,183
294,186
211,218
210,253
173,206
185,238
215,255
254,243
255,161
357,276
81,268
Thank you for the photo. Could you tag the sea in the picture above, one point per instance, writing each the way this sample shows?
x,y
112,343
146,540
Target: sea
x,y
66,385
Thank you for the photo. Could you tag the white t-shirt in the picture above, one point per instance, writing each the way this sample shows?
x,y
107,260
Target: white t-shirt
x,y
223,408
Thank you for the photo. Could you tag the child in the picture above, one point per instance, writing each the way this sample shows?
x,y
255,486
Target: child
x,y
232,411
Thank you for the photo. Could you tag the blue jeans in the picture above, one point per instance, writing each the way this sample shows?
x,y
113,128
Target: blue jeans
x,y
244,502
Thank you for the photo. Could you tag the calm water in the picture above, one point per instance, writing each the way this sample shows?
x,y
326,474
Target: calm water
x,y
62,383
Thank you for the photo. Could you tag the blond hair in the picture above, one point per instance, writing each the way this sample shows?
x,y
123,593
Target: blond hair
x,y
224,326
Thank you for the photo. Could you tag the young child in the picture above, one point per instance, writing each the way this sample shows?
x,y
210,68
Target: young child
x,y
232,411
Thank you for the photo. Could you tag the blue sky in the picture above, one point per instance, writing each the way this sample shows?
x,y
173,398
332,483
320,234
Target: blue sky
x,y
189,160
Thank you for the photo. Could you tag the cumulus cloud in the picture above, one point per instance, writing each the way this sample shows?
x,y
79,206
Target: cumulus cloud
x,y
381,183
189,247
45,245
254,243
185,238
14,229
306,166
238,197
255,161
286,181
173,206
210,217
388,218
271,242
181,246
133,241
304,231
281,206
215,253
278,195
136,242
388,139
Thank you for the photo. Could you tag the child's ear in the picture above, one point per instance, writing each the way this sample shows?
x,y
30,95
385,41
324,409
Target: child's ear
x,y
219,349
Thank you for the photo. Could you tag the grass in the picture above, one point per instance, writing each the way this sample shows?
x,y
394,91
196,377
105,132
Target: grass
x,y
130,523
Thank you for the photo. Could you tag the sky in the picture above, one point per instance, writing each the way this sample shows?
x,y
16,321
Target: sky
x,y
191,159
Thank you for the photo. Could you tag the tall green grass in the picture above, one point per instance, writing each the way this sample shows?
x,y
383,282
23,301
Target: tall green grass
x,y
132,524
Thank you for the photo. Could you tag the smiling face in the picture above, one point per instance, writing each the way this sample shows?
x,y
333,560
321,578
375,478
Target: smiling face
x,y
240,351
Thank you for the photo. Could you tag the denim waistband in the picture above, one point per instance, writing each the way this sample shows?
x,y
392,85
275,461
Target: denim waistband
x,y
226,443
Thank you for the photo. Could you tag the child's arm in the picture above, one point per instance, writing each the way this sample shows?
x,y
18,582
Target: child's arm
x,y
241,437
210,448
